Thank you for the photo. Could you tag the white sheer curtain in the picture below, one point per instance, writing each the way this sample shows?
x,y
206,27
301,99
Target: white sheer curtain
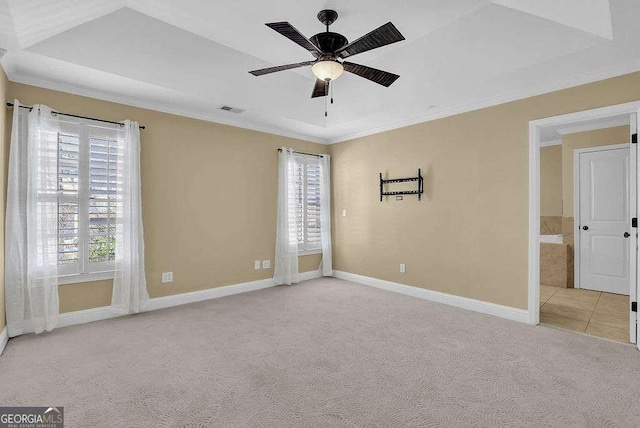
x,y
129,284
286,261
325,215
31,243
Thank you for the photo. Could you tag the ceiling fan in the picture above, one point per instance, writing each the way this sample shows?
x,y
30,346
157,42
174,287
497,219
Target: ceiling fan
x,y
330,49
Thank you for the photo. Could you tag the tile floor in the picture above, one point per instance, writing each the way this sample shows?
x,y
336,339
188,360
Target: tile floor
x,y
593,312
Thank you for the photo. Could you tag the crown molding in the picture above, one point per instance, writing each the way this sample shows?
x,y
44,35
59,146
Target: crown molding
x,y
607,73
610,72
550,143
150,105
593,126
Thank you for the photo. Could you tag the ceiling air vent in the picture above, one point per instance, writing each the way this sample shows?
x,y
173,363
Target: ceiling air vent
x,y
232,109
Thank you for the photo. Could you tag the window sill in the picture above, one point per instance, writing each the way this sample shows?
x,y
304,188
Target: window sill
x,y
309,252
85,277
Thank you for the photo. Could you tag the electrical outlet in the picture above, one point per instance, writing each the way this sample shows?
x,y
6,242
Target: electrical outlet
x,y
399,198
403,268
344,213
266,264
256,264
167,277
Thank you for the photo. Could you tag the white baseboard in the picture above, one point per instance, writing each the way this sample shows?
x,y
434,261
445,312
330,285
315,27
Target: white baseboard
x,y
4,338
507,312
210,293
104,313
87,315
306,276
214,293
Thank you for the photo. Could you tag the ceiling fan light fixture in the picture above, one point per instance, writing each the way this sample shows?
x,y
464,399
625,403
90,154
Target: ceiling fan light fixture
x,y
330,50
327,70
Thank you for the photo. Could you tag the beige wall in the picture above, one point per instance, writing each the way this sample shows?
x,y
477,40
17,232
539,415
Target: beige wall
x,y
208,195
551,181
582,140
469,235
4,143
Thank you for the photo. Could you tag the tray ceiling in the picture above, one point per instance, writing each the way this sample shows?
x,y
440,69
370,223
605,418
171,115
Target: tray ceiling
x,y
192,57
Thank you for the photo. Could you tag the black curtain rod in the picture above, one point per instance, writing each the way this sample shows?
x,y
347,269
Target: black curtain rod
x,y
76,116
306,154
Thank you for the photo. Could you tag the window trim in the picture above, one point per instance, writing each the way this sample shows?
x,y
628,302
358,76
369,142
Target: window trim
x,y
310,252
85,277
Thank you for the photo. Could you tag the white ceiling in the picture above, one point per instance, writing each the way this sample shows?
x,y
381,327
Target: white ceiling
x,y
193,56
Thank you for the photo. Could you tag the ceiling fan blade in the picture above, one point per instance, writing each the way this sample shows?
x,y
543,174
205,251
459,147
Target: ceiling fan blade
x,y
269,70
383,78
291,33
382,36
321,89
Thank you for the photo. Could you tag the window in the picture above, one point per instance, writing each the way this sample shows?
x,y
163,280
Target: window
x,y
307,194
89,199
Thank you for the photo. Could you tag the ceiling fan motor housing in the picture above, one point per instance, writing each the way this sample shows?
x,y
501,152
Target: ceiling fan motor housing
x,y
329,42
327,16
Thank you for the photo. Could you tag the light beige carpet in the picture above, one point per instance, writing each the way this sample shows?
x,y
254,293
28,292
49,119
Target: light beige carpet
x,y
322,353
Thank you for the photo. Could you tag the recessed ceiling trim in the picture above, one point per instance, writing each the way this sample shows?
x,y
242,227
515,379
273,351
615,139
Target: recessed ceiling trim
x,y
511,49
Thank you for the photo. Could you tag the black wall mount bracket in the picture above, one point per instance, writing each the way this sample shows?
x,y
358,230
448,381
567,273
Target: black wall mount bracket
x,y
419,180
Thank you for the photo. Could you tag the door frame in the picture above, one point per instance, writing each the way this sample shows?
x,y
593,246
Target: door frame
x,y
535,128
576,206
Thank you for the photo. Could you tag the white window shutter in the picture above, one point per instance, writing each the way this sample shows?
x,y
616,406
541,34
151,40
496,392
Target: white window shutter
x,y
69,171
88,198
306,180
312,203
104,204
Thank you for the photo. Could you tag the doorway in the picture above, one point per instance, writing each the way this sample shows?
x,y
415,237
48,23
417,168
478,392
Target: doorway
x,y
597,294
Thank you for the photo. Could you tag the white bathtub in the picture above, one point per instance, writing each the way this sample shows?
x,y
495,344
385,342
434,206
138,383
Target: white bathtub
x,y
551,239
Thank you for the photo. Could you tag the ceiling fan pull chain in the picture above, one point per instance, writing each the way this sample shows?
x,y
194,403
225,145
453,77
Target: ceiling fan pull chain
x,y
327,85
331,89
325,107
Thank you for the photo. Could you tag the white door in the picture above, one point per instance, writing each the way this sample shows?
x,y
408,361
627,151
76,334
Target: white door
x,y
603,223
